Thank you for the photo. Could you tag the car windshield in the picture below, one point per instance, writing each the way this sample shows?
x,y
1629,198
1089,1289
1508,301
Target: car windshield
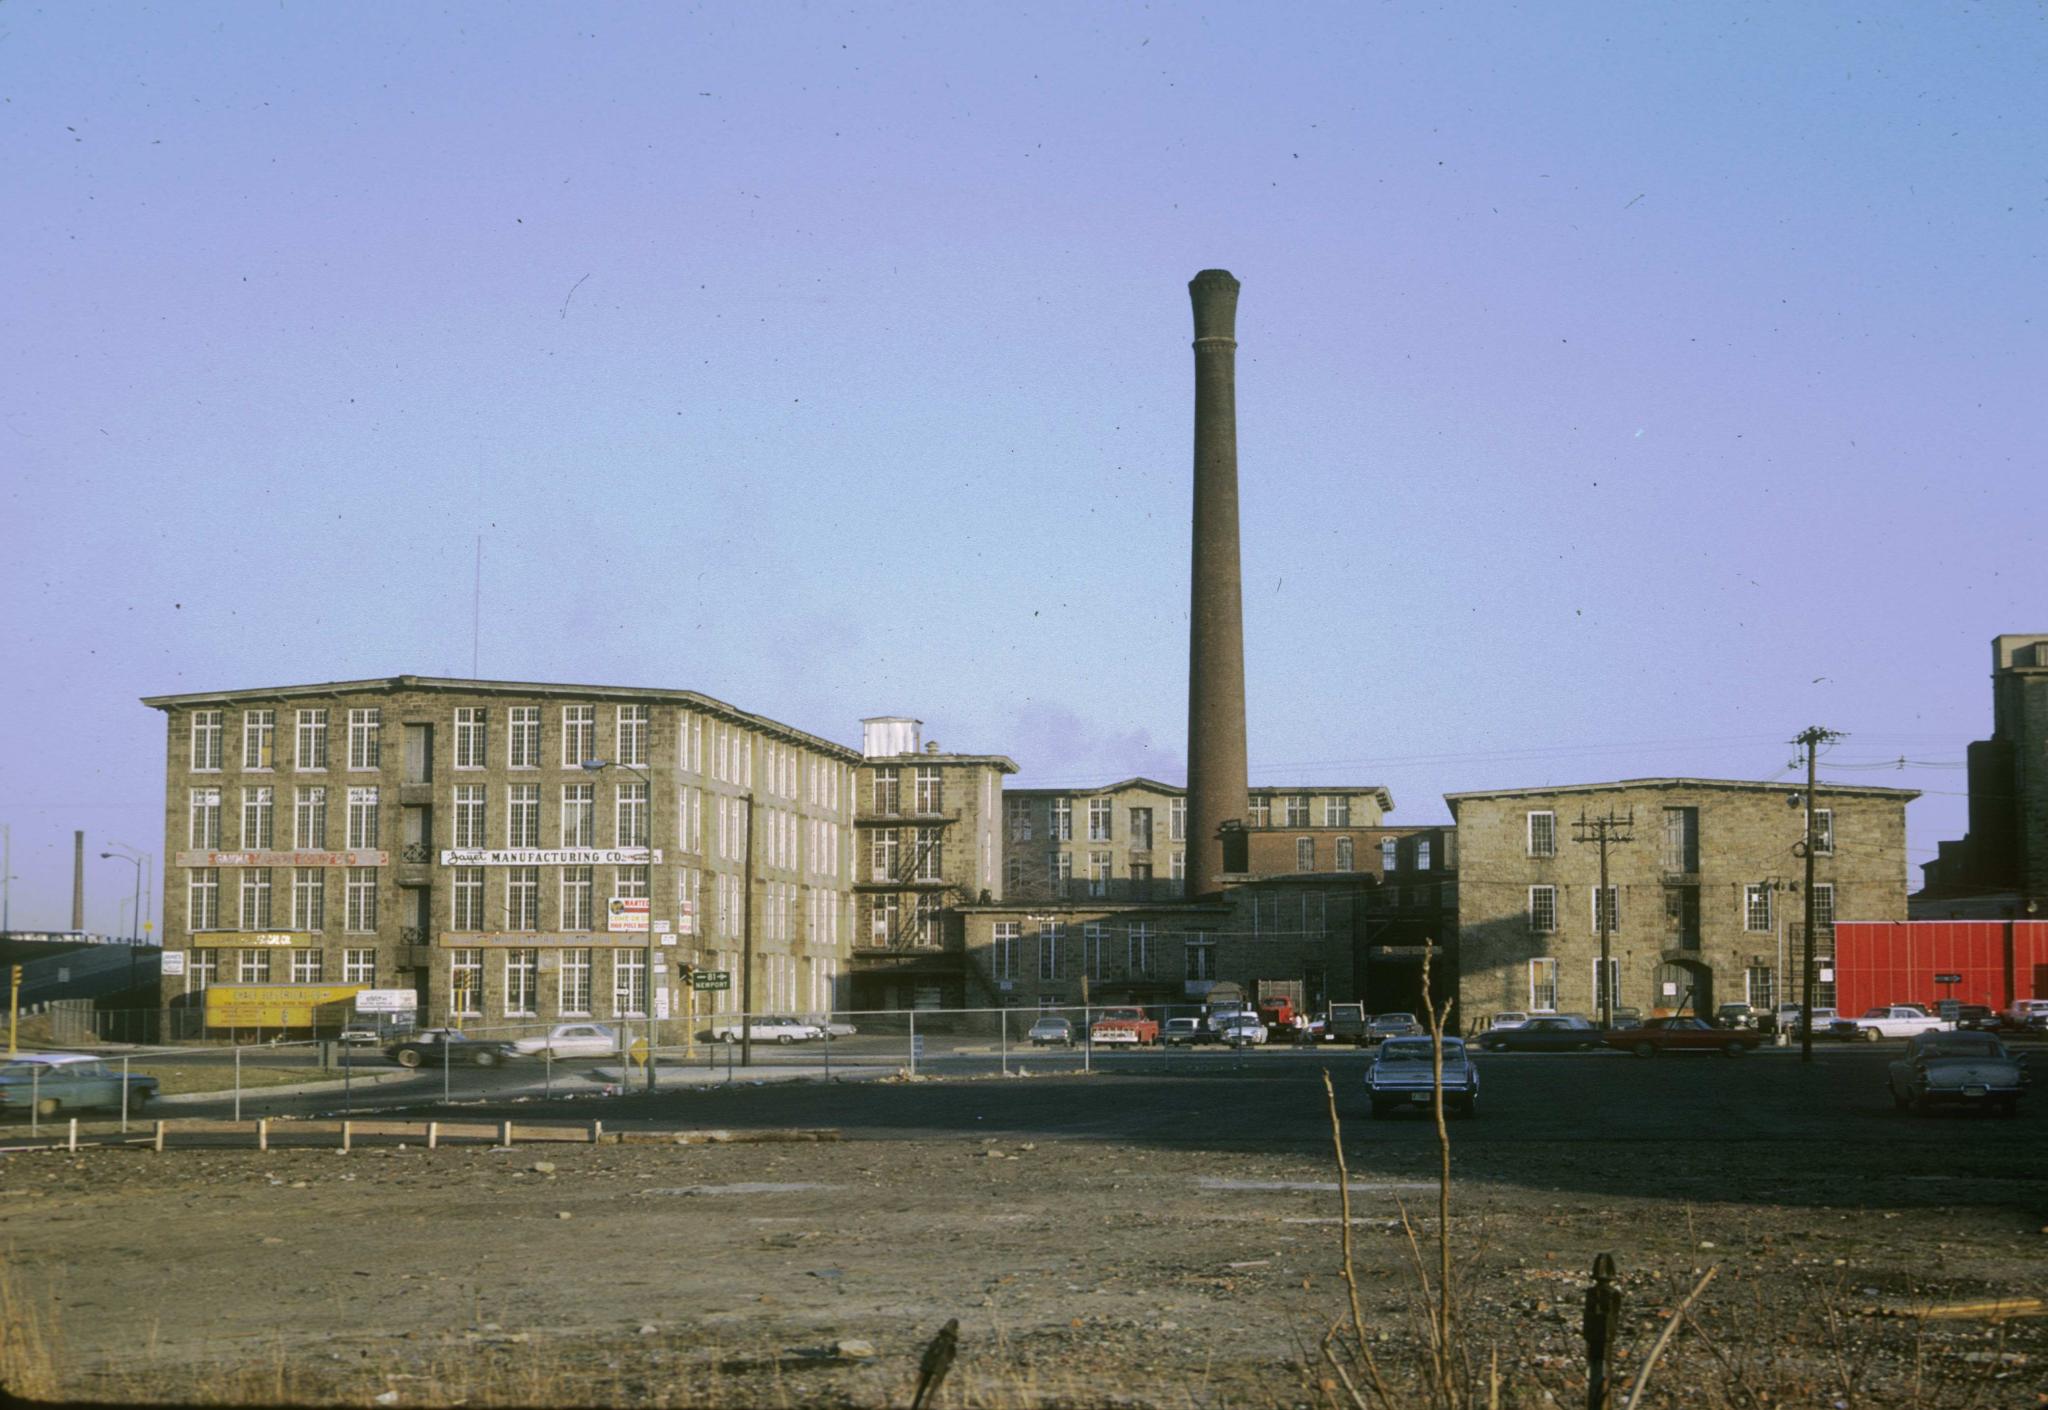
x,y
1397,1018
1417,1050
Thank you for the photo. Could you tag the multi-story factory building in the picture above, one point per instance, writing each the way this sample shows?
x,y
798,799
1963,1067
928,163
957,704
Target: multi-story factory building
x,y
505,850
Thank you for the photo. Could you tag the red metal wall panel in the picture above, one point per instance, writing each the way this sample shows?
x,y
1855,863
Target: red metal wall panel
x,y
1894,962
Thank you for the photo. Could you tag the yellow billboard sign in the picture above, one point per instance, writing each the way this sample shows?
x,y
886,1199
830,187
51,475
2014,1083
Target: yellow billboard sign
x,y
279,1005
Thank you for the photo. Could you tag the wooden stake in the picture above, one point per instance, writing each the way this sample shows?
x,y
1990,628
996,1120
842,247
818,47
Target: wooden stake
x,y
263,1133
433,1135
159,1138
505,1134
72,1138
345,1135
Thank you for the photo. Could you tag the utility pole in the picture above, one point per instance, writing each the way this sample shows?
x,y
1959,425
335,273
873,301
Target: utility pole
x,y
1605,830
1812,737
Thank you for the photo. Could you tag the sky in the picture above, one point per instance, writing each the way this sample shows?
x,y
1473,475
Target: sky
x,y
1621,389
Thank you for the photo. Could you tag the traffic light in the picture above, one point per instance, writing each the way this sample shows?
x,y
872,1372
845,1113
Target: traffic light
x,y
689,972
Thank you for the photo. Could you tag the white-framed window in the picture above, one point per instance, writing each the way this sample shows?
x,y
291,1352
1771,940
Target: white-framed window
x,y
206,746
1052,945
1390,854
1823,910
1610,912
1261,808
1177,821
629,984
366,738
259,831
1345,853
362,818
1094,941
1141,830
252,966
1139,948
307,966
1304,854
1200,946
1013,867
929,931
1019,812
1543,985
470,815
472,739
1100,812
630,814
928,792
1003,949
882,920
576,897
309,898
1060,820
1542,834
466,895
579,815
1098,873
203,820
1297,810
202,971
256,898
882,855
522,983
1543,909
1823,832
466,983
573,992
202,898
1059,868
522,815
1177,868
931,854
1756,906
630,882
887,792
579,734
310,753
360,897
522,737
359,966
632,724
259,738
1337,810
1422,854
1612,989
309,819
1759,988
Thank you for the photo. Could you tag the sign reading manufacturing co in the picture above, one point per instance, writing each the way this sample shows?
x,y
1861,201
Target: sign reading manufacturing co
x,y
548,856
282,859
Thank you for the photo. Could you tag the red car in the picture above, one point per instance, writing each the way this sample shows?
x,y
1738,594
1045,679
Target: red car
x,y
1684,1035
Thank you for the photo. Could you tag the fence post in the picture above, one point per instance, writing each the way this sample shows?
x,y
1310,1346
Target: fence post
x,y
1004,1014
262,1133
548,1073
433,1134
159,1142
913,1041
345,1134
71,1138
238,1083
124,1096
1603,1318
828,1047
505,1134
35,1100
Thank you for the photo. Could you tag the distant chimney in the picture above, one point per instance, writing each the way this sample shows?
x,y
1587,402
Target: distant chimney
x,y
78,881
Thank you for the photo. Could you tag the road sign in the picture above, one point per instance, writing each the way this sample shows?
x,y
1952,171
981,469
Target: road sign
x,y
711,979
637,1054
1948,979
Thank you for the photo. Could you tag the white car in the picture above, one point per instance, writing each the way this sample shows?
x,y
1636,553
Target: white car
x,y
1889,1021
831,1027
767,1030
1240,1030
1507,1018
570,1040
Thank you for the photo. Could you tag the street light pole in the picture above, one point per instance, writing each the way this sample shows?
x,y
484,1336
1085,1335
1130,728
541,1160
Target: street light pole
x,y
135,914
647,990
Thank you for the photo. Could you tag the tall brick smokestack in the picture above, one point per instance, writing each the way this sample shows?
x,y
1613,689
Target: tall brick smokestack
x,y
78,881
1217,771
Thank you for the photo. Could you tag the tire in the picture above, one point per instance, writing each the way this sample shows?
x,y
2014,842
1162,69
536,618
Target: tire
x,y
785,1040
1644,1050
1494,1047
1871,1035
731,1039
487,1059
137,1100
48,1107
407,1057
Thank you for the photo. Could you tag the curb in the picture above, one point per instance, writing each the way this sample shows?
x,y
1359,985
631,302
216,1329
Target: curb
x,y
288,1089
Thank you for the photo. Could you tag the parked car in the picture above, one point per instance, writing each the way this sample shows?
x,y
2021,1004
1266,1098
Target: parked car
x,y
1506,1018
1051,1032
1788,1020
1391,1025
1978,1018
1545,1033
1889,1021
1346,1024
1185,1032
1241,1030
436,1046
1684,1034
781,1028
1737,1016
360,1037
1124,1024
2028,1013
1403,1074
1957,1069
831,1027
54,1082
570,1040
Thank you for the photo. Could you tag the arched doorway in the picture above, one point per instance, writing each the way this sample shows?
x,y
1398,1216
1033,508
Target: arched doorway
x,y
1683,986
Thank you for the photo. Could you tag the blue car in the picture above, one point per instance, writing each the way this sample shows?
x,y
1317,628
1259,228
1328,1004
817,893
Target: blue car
x,y
58,1082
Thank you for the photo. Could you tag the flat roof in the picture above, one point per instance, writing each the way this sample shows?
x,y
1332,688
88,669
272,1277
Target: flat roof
x,y
1904,795
1379,791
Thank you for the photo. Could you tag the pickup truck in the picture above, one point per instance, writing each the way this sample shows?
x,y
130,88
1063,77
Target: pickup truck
x,y
1124,1025
1891,1021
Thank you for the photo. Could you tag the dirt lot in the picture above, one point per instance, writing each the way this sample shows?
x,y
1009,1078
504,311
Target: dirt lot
x,y
1187,1261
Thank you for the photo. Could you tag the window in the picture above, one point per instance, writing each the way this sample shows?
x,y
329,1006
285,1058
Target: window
x,y
1201,955
887,791
1823,832
309,820
882,915
579,734
1141,829
1094,939
575,983
1261,809
1543,909
1304,854
576,897
1337,811
469,815
259,834
1297,810
1390,854
202,898
466,983
882,855
1051,942
362,818
471,742
522,983
259,737
930,854
1682,839
256,898
1823,910
1060,820
1019,810
361,896
359,966
1100,811
927,923
1098,873
1138,949
1344,854
633,735
1003,949
929,795
522,815
1758,990
630,814
1177,868
307,966
467,894
1824,954
1610,993
1756,907
365,738
1610,912
629,984
204,971
1543,834
523,746
630,882
579,815
203,825
311,752
1543,985
206,731
309,899
1059,868
1422,861
252,966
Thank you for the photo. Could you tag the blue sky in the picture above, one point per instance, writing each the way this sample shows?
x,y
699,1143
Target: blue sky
x,y
1621,388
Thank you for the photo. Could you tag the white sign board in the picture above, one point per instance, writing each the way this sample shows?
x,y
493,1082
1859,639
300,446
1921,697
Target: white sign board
x,y
661,1003
548,856
386,1001
626,913
689,925
663,927
174,962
